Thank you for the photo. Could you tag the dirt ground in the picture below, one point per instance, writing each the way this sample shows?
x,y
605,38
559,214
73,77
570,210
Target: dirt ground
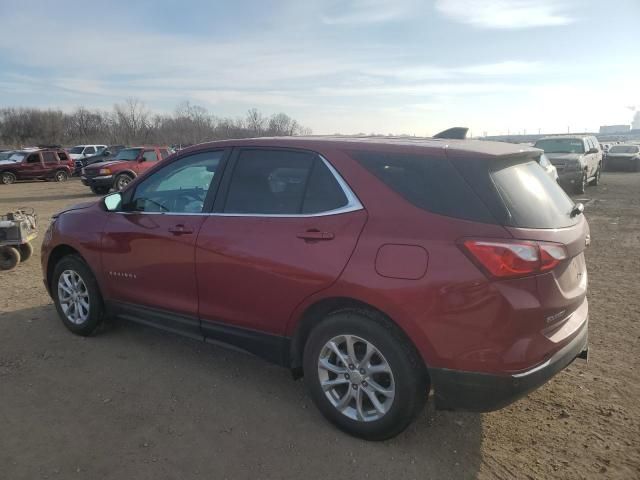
x,y
137,403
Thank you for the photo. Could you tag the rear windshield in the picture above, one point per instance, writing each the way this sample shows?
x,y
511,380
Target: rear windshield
x,y
531,198
429,183
128,154
624,149
561,145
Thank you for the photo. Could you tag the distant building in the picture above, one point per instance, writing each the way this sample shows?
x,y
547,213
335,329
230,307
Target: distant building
x,y
612,129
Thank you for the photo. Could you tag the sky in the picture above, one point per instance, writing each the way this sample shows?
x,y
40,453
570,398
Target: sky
x,y
348,66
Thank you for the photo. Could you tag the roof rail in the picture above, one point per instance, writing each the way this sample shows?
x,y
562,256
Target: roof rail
x,y
455,133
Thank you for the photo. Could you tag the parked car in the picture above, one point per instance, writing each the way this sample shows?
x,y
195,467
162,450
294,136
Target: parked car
x,y
376,268
82,151
104,155
42,164
548,167
101,177
623,157
578,159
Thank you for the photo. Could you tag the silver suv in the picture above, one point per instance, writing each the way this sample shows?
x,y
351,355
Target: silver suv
x,y
578,159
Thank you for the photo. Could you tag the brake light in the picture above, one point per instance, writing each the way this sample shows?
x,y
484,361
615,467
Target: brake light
x,y
505,259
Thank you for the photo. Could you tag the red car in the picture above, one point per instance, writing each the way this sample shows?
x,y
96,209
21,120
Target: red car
x,y
116,173
36,164
377,268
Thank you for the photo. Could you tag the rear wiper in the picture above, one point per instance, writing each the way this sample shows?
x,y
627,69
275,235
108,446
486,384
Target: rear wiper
x,y
578,209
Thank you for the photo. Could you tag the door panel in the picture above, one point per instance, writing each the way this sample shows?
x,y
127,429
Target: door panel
x,y
253,271
145,263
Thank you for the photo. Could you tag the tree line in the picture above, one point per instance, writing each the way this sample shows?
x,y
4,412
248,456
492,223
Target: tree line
x,y
132,123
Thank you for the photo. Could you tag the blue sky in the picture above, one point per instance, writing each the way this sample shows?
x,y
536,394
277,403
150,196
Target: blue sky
x,y
349,66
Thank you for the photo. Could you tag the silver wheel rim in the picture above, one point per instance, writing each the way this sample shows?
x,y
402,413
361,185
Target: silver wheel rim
x,y
123,182
73,297
7,178
356,378
61,176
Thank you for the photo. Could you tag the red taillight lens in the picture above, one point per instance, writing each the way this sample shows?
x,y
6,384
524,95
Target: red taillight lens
x,y
505,259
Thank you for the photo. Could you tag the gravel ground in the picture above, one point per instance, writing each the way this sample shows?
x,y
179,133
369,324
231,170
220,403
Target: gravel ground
x,y
137,403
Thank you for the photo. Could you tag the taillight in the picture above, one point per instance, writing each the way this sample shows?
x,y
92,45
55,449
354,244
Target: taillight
x,y
504,259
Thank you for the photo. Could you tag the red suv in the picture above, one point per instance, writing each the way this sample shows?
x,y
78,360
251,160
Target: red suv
x,y
116,173
376,268
38,164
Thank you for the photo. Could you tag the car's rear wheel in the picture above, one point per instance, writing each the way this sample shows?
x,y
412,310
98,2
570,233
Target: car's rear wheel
x,y
363,375
61,176
122,181
26,251
76,296
7,178
581,186
9,258
100,190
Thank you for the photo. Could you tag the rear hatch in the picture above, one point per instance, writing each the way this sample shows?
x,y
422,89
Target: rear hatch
x,y
536,211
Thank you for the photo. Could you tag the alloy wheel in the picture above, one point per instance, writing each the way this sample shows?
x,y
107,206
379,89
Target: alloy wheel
x,y
122,182
73,296
356,378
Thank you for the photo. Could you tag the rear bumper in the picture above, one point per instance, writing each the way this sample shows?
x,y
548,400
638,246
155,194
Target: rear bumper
x,y
481,392
101,181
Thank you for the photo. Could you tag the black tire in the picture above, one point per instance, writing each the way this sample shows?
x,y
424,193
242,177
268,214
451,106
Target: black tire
x,y
409,373
100,190
582,185
95,314
122,181
61,176
595,181
9,258
7,178
26,250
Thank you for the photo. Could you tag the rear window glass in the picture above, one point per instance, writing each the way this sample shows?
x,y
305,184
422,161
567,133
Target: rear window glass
x,y
432,184
532,199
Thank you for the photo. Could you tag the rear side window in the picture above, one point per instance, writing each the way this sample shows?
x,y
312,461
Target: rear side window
x,y
532,199
432,184
269,182
164,153
49,157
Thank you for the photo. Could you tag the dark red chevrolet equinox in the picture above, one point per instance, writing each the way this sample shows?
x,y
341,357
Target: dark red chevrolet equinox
x,y
377,268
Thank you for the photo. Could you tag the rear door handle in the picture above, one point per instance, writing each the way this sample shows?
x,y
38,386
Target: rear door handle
x,y
180,230
315,235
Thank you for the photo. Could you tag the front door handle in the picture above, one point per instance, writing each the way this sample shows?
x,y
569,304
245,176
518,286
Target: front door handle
x,y
315,235
180,230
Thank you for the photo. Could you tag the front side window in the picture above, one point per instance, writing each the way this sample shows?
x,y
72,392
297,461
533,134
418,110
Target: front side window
x,y
150,156
180,187
89,151
76,150
33,158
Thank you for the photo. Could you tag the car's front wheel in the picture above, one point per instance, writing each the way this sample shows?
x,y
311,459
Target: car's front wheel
x,y
76,296
581,186
364,375
122,181
7,178
596,178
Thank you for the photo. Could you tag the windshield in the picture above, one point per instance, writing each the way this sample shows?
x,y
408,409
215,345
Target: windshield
x,y
624,149
561,145
18,157
5,155
128,154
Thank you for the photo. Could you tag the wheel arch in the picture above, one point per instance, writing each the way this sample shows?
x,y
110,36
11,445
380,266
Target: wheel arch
x,y
58,253
317,311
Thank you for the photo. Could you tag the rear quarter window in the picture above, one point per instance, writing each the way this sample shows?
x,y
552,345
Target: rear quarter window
x,y
432,184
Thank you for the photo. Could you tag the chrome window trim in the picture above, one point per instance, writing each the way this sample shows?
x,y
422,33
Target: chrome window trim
x,y
353,204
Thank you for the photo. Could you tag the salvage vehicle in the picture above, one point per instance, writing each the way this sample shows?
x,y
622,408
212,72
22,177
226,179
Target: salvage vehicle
x,y
101,177
377,268
36,164
105,155
578,159
17,230
83,151
623,157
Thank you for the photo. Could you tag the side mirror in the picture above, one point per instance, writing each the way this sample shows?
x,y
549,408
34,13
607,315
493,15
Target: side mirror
x,y
106,153
113,202
593,150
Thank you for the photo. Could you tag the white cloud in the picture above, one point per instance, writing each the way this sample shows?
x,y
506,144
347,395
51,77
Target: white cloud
x,y
507,14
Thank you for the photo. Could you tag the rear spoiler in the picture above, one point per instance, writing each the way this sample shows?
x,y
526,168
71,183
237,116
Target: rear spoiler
x,y
455,133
